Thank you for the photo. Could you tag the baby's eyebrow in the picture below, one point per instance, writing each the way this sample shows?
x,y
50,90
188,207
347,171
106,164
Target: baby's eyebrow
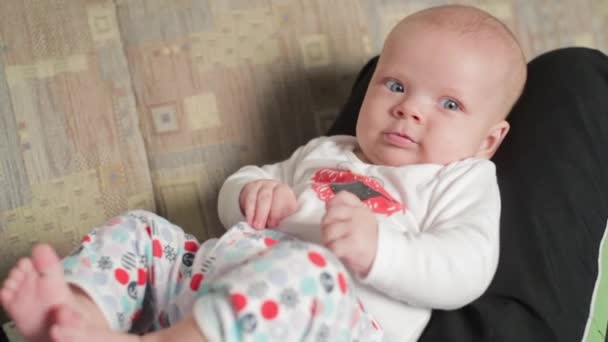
x,y
454,94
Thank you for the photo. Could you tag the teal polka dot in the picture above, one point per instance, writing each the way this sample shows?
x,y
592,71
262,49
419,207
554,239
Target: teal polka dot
x,y
204,289
93,258
328,307
70,262
178,287
236,333
232,255
148,252
259,337
120,235
308,286
125,302
344,336
139,302
262,265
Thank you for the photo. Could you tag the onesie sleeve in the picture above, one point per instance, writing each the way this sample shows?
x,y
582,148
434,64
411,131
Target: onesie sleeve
x,y
452,259
229,210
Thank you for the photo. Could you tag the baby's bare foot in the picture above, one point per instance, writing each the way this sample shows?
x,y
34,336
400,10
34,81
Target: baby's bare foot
x,y
33,289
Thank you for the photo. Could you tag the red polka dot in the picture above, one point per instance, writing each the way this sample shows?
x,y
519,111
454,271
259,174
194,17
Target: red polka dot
x,y
86,263
136,315
157,249
270,242
342,283
141,276
270,309
86,238
191,246
361,305
149,231
163,319
317,259
315,308
121,276
375,325
355,318
239,301
195,283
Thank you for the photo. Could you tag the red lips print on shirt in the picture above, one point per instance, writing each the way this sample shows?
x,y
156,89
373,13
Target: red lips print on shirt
x,y
328,182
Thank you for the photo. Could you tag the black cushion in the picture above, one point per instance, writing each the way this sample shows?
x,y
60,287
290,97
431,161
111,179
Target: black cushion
x,y
553,176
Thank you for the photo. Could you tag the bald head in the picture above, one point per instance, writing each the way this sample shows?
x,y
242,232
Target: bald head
x,y
473,23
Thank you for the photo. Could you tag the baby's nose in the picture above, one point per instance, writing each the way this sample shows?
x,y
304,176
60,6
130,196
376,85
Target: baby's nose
x,y
407,110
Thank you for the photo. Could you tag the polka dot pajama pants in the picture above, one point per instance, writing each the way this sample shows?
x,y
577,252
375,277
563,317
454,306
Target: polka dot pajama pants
x,y
145,273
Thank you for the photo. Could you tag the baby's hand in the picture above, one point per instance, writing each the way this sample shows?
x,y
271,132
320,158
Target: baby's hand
x,y
266,202
349,229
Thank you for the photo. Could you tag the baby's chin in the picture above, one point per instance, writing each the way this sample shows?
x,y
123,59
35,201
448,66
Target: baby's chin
x,y
387,159
395,157
402,159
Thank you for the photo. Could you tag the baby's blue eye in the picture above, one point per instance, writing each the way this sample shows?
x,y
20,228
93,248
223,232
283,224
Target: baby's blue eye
x,y
394,86
450,104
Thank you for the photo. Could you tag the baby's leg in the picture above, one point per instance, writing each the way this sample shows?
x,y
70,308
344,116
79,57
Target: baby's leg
x,y
184,330
117,268
34,288
261,291
292,291
131,268
199,267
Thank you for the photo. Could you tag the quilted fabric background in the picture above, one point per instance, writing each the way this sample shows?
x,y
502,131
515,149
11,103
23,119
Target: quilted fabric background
x,y
110,105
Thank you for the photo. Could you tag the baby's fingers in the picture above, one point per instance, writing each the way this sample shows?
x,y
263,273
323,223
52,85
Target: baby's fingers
x,y
248,200
283,204
337,214
344,198
263,205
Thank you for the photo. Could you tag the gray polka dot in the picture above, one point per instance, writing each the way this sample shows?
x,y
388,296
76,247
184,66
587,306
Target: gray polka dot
x,y
257,289
166,234
110,302
100,278
298,267
129,224
278,276
281,252
175,313
244,243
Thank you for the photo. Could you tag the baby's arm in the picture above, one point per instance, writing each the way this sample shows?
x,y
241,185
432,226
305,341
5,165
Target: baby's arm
x,y
453,260
229,208
230,197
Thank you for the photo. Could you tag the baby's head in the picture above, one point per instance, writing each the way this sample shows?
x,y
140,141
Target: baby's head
x,y
446,79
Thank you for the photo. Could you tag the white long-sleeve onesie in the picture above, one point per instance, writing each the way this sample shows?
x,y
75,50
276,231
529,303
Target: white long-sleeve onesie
x,y
438,225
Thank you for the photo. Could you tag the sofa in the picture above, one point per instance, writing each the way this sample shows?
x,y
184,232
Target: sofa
x,y
111,105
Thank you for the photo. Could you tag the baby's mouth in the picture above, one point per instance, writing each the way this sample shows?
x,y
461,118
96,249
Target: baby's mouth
x,y
399,139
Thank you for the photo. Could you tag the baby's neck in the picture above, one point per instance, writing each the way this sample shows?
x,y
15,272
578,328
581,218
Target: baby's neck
x,y
362,157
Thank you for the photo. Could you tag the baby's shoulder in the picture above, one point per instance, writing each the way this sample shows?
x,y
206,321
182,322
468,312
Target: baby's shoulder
x,y
469,167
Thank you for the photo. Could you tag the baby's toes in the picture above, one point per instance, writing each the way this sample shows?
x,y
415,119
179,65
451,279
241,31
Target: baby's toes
x,y
45,261
17,275
25,265
20,279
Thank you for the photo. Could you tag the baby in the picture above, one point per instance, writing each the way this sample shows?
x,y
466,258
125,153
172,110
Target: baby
x,y
366,235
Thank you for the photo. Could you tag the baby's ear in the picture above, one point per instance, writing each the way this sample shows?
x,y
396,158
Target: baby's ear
x,y
493,139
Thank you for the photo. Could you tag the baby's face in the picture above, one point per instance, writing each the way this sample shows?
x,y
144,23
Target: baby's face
x,y
434,98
